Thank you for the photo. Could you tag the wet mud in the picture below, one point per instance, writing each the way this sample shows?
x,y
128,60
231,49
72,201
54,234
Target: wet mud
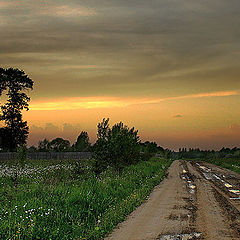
x,y
195,201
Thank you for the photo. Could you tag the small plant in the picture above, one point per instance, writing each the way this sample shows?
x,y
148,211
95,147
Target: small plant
x,y
20,161
22,155
82,169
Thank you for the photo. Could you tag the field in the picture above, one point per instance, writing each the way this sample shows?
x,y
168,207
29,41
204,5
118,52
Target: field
x,y
65,200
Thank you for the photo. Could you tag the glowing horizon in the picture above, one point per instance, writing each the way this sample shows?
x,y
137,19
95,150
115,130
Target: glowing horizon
x,y
108,102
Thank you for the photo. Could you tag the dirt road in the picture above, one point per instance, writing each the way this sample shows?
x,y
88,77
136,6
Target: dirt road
x,y
195,201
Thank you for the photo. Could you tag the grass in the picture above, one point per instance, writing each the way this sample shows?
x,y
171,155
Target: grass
x,y
231,164
56,202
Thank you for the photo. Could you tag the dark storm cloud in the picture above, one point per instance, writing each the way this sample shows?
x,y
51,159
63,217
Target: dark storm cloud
x,y
164,44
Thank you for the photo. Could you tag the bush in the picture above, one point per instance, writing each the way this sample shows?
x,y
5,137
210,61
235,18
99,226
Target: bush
x,y
82,169
118,146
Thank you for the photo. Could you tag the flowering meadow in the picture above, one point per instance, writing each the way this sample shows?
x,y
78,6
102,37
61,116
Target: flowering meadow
x,y
65,200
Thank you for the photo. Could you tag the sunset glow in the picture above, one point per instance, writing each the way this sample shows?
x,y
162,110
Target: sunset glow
x,y
78,103
169,68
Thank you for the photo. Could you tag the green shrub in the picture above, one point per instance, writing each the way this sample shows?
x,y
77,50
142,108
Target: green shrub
x,y
118,146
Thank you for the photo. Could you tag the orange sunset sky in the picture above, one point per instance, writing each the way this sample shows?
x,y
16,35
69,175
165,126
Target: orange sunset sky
x,y
170,68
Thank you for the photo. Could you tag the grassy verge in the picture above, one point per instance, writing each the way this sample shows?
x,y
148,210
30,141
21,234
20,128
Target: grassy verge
x,y
56,204
231,164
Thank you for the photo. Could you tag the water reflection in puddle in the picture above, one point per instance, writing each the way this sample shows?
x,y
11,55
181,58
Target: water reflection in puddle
x,y
228,185
234,191
181,236
208,176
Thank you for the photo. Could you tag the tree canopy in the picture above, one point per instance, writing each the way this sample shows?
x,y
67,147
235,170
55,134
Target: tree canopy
x,y
82,144
15,82
44,145
56,145
117,146
59,145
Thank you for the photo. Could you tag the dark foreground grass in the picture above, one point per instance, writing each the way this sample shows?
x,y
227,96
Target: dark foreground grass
x,y
231,164
60,206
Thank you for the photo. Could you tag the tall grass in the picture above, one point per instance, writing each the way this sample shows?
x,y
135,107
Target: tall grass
x,y
57,204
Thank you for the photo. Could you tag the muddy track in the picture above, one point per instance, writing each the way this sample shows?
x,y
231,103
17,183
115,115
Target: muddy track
x,y
195,201
225,187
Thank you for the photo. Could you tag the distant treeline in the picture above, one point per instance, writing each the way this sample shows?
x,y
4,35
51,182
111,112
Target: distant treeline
x,y
82,144
117,146
192,153
59,144
147,149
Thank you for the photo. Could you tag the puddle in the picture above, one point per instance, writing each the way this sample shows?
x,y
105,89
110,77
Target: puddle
x,y
205,168
181,236
217,177
235,198
192,186
234,191
207,176
228,185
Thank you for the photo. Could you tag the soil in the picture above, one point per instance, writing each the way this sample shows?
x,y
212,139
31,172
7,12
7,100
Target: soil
x,y
196,200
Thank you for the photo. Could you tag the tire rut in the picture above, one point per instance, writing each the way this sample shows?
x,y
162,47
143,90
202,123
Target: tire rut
x,y
229,219
185,205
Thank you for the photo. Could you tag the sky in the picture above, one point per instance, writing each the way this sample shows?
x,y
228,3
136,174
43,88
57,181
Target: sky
x,y
170,68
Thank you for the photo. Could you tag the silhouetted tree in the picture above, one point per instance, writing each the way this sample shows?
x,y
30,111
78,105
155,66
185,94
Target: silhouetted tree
x,y
15,82
60,145
149,149
44,145
209,154
82,144
32,149
5,139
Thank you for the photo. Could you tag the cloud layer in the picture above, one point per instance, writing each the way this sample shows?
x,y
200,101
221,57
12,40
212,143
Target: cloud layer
x,y
148,60
123,48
